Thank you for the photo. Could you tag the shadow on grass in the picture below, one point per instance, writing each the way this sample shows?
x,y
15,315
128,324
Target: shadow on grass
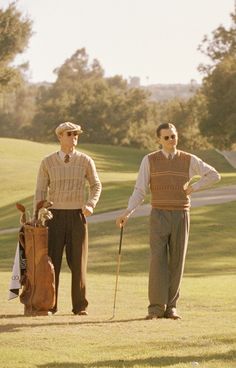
x,y
9,215
3,316
14,327
120,159
164,361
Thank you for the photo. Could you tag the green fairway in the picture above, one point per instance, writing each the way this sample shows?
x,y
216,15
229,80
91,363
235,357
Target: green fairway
x,y
117,168
206,335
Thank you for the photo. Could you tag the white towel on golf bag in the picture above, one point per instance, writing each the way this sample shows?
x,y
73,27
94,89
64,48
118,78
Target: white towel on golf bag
x,y
15,284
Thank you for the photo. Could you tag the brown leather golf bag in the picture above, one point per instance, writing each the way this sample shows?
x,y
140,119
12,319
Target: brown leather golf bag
x,y
38,294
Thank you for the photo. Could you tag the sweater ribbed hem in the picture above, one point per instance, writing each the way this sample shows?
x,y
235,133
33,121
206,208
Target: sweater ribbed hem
x,y
67,206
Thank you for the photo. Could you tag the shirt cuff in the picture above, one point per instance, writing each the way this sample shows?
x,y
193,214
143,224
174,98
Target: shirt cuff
x,y
89,207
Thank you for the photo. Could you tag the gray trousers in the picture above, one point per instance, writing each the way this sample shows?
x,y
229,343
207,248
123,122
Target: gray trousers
x,y
169,232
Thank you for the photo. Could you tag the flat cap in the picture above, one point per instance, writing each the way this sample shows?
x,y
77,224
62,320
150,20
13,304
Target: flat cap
x,y
68,126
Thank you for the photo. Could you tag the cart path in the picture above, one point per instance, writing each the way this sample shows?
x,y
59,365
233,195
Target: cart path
x,y
198,199
230,156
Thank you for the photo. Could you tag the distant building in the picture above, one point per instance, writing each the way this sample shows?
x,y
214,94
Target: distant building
x,y
165,92
134,82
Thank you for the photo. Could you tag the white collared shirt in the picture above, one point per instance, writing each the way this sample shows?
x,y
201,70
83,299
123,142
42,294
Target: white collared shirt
x,y
208,176
63,154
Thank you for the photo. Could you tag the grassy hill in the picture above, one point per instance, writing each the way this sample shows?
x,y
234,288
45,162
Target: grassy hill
x,y
117,168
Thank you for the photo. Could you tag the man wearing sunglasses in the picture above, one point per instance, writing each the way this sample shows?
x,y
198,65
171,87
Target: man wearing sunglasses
x,y
168,173
62,179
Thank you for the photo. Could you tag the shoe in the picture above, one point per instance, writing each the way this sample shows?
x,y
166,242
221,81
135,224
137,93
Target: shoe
x,y
172,314
82,313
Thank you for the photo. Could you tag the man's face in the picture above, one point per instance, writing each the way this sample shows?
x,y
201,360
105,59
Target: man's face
x,y
168,139
68,139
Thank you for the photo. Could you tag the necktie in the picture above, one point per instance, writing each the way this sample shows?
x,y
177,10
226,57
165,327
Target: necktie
x,y
66,158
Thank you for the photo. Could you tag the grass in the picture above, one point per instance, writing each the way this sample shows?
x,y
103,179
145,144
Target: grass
x,y
117,167
206,334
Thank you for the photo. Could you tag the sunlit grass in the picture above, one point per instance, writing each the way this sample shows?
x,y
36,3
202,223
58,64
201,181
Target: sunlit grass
x,y
206,334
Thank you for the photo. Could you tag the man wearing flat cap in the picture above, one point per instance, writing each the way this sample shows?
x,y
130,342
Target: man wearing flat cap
x,y
62,178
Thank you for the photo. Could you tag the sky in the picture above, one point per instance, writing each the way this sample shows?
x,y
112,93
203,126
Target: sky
x,y
156,40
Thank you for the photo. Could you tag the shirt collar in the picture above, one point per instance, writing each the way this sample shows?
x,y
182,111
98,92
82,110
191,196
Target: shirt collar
x,y
62,154
166,154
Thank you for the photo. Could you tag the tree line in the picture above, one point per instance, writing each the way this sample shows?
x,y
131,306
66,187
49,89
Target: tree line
x,y
109,111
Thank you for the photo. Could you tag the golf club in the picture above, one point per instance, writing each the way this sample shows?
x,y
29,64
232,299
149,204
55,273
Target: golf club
x,y
117,270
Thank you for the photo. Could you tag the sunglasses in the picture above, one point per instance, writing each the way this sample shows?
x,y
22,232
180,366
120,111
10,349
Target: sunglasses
x,y
167,137
71,133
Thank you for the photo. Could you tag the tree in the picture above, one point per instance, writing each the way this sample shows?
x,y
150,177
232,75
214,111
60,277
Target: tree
x,y
185,115
219,87
220,91
222,44
108,110
17,109
15,32
71,91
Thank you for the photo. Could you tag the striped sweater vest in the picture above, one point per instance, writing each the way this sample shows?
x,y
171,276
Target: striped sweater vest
x,y
168,178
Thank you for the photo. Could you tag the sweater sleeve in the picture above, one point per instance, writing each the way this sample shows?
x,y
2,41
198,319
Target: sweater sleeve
x,y
95,186
41,184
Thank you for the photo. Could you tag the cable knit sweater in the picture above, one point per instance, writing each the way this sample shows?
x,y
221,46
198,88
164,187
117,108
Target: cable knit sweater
x,y
65,183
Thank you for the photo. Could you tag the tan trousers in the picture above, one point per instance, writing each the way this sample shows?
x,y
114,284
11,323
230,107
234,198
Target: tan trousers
x,y
169,232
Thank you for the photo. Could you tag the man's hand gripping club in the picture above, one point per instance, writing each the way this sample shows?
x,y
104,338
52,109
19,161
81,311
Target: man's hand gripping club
x,y
122,219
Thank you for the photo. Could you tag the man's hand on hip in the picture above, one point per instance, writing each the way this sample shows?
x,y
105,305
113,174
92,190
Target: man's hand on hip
x,y
87,211
189,190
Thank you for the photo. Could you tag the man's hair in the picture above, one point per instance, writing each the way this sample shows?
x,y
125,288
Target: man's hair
x,y
164,126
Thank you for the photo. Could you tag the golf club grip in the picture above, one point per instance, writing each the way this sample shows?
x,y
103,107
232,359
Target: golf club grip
x,y
121,237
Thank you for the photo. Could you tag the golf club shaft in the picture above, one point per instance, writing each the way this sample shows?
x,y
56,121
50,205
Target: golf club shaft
x,y
117,275
118,269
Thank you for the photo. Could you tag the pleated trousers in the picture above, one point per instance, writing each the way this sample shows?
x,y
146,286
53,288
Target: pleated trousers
x,y
169,232
68,230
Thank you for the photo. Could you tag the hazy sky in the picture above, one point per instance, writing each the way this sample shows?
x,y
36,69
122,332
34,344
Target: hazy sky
x,y
156,40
